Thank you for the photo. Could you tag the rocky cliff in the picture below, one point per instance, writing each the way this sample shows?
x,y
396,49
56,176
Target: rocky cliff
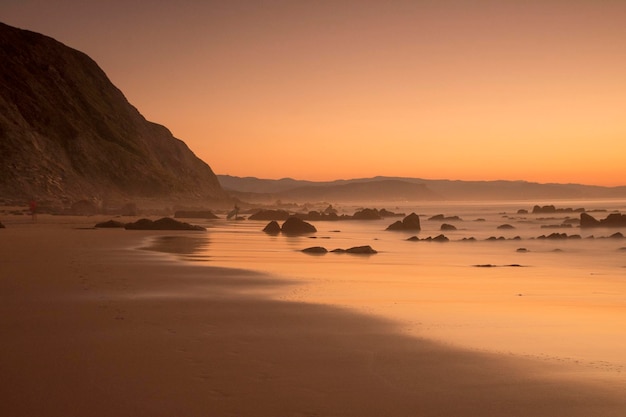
x,y
67,133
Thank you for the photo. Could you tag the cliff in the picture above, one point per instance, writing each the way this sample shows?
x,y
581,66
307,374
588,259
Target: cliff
x,y
67,133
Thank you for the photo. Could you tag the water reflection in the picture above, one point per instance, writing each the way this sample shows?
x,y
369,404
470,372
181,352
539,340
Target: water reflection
x,y
189,248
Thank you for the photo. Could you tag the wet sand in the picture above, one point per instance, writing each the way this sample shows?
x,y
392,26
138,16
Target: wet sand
x,y
91,327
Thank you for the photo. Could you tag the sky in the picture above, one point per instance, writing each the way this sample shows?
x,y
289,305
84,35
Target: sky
x,y
321,90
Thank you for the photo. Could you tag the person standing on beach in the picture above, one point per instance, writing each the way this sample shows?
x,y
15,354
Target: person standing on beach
x,y
33,209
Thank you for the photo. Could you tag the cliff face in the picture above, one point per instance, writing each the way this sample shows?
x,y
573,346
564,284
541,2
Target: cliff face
x,y
67,133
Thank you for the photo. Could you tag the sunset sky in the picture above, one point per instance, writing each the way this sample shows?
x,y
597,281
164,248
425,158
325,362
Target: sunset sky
x,y
320,90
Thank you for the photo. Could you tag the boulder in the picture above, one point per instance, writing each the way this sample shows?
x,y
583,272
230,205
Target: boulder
x,y
410,222
357,250
612,220
505,227
315,250
587,220
110,224
165,223
296,226
363,250
1,225
366,214
272,228
447,226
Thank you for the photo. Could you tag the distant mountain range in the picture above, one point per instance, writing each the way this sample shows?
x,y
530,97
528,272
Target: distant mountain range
x,y
406,189
67,133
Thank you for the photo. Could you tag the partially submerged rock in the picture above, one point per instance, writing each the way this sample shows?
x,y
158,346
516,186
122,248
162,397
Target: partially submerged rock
x,y
410,222
270,215
315,250
166,223
447,226
1,226
358,250
612,220
296,226
272,228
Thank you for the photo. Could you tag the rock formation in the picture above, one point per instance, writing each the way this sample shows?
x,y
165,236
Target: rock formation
x,y
272,228
68,134
612,220
165,223
296,226
410,222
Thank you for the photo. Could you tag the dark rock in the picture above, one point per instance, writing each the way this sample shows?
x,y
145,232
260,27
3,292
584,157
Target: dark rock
x,y
522,211
544,209
296,226
506,227
440,238
617,235
110,224
165,223
410,222
586,220
612,220
522,250
357,250
413,239
447,226
367,214
362,250
441,217
1,226
272,228
270,215
195,214
315,250
468,239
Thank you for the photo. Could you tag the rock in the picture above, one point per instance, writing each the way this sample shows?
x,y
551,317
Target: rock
x,y
366,214
270,215
447,226
315,250
1,226
410,222
522,250
522,211
617,235
296,226
440,238
362,250
544,209
586,220
110,224
165,223
413,239
612,220
195,214
272,228
441,217
506,227
357,250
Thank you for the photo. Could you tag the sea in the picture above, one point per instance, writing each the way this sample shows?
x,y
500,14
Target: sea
x,y
499,284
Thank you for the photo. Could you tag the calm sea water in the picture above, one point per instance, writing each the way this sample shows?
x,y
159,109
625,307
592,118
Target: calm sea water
x,y
557,300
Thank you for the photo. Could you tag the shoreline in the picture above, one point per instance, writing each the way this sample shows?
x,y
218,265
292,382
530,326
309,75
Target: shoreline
x,y
94,328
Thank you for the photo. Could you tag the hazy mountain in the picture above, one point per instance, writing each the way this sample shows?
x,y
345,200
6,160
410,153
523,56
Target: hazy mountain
x,y
67,133
380,188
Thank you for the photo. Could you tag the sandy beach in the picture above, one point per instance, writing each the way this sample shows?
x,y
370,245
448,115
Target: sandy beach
x,y
93,327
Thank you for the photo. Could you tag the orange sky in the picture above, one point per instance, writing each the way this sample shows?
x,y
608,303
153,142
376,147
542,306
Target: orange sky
x,y
321,90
